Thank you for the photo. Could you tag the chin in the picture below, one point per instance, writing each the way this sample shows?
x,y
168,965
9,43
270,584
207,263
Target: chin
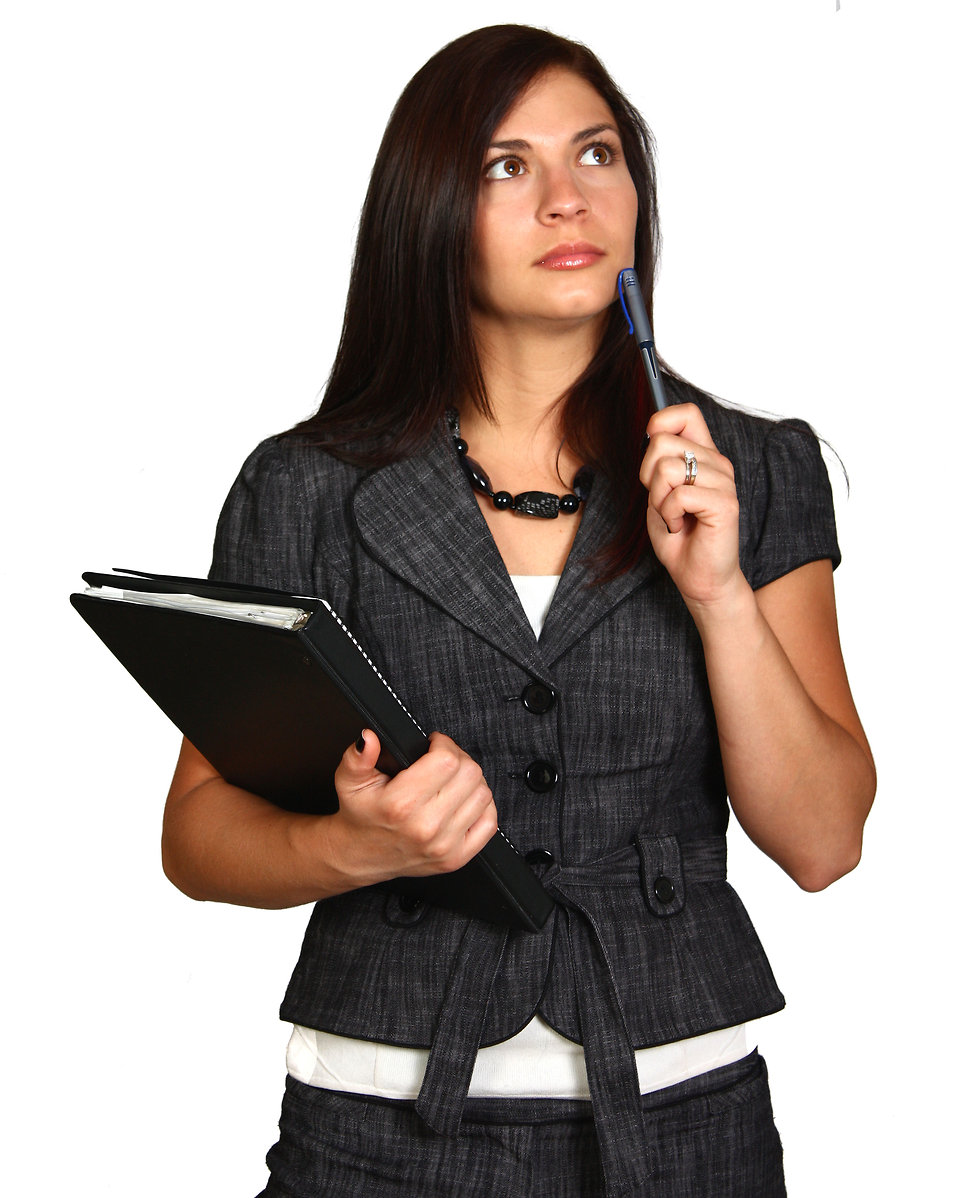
x,y
582,297
548,310
585,306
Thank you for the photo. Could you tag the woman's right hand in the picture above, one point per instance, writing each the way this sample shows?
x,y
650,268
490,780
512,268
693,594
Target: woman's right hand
x,y
430,818
224,844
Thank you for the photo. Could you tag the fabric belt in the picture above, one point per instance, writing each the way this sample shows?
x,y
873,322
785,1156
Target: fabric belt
x,y
609,1054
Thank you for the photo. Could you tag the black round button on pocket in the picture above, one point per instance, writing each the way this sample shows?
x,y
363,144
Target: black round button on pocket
x,y
538,698
541,777
664,890
539,857
403,910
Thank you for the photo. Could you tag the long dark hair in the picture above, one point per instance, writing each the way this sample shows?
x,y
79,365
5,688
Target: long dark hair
x,y
407,351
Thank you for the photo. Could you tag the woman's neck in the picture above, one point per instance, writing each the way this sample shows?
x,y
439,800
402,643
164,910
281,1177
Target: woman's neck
x,y
526,370
521,446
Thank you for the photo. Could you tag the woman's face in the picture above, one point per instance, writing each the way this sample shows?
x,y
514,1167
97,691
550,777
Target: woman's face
x,y
557,208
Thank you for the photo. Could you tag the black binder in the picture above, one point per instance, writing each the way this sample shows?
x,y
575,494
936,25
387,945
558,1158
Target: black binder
x,y
273,708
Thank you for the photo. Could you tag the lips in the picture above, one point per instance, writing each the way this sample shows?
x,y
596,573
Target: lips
x,y
572,255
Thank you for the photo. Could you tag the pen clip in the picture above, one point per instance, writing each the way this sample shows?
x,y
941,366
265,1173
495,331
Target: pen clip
x,y
622,300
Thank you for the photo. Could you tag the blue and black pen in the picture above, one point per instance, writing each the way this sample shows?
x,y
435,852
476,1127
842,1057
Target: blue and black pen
x,y
630,296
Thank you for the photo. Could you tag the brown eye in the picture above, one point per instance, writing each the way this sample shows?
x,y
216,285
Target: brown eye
x,y
599,155
505,168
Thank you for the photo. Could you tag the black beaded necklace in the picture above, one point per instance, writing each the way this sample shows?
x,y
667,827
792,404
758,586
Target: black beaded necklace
x,y
529,503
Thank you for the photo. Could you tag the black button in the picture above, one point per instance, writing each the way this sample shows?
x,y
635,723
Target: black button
x,y
539,857
404,910
541,777
664,890
538,698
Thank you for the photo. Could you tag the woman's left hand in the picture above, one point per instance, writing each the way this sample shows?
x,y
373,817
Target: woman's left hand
x,y
693,527
797,765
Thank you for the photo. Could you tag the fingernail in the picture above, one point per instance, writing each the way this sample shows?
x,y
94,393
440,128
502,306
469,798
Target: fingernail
x,y
360,743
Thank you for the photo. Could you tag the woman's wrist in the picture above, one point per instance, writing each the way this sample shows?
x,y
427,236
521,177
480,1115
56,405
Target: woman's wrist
x,y
731,611
325,853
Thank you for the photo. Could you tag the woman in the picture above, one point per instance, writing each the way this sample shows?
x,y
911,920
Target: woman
x,y
608,675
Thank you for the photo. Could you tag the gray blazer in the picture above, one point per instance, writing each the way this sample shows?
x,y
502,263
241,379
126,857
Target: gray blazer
x,y
598,742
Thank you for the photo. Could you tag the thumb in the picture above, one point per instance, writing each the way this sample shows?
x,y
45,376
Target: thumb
x,y
357,773
359,760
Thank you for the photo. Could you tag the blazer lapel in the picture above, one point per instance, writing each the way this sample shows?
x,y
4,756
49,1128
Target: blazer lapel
x,y
419,518
578,606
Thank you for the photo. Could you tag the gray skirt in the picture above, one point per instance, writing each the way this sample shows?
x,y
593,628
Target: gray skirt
x,y
712,1136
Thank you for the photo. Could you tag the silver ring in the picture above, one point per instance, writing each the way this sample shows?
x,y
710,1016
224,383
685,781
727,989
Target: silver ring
x,y
691,468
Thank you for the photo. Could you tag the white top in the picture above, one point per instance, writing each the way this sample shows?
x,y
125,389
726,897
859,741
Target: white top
x,y
535,593
537,1062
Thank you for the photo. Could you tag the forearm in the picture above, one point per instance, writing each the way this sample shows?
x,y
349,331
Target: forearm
x,y
225,845
800,781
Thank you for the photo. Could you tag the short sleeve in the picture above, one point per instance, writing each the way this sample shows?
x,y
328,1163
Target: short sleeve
x,y
262,538
790,514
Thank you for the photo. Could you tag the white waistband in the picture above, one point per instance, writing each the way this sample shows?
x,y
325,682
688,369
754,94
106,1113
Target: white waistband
x,y
535,1063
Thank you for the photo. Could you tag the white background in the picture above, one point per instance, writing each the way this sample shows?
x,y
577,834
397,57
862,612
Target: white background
x,y
182,182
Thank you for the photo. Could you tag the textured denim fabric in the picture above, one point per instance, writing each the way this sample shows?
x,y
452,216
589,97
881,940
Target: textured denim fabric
x,y
712,1137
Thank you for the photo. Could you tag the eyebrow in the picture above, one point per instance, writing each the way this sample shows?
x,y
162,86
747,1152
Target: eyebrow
x,y
519,143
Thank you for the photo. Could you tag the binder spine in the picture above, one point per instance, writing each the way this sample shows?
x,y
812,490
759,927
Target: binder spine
x,y
373,667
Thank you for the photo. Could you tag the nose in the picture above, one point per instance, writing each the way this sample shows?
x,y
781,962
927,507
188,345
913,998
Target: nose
x,y
561,197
